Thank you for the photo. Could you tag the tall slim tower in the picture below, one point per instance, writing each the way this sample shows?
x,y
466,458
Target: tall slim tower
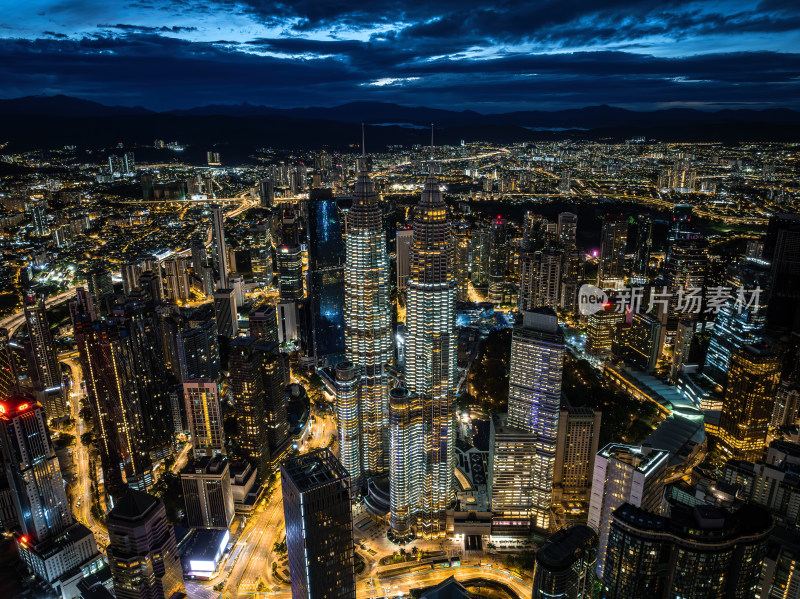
x,y
45,359
405,469
534,398
319,526
205,418
367,319
431,350
220,247
613,239
32,467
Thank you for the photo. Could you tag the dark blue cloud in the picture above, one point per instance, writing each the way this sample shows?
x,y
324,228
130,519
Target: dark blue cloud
x,y
497,55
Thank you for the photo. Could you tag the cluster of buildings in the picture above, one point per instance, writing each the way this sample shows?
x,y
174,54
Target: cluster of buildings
x,y
200,341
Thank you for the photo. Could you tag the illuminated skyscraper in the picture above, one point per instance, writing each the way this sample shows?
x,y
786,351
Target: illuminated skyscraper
x,y
220,253
565,565
205,418
264,323
698,551
534,398
113,396
47,370
326,258
348,418
177,280
142,551
753,378
623,473
498,260
206,484
403,239
226,314
406,467
512,467
367,320
463,245
736,324
540,279
290,271
431,350
319,526
32,468
613,238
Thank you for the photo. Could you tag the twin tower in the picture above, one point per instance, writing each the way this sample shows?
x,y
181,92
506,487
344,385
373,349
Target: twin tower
x,y
406,430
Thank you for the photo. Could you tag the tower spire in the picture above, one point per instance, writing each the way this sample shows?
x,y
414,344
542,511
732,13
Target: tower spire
x,y
431,165
363,147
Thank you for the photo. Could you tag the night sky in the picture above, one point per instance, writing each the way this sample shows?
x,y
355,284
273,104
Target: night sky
x,y
491,57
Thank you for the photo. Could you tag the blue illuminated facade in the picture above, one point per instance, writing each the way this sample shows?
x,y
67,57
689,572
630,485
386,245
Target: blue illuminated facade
x,y
326,257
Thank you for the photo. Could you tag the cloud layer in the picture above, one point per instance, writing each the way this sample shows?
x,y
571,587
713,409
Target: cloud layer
x,y
494,56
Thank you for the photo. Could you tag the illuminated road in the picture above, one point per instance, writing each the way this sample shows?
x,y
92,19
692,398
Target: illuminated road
x,y
13,322
252,555
81,493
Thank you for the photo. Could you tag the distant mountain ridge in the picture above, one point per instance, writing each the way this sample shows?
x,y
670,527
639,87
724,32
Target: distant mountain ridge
x,y
590,117
238,131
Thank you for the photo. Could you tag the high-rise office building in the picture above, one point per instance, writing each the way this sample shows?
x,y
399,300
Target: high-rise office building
x,y
99,283
326,259
205,417
479,268
534,397
266,193
406,467
565,565
567,230
737,323
403,239
46,368
498,260
142,551
512,468
264,323
683,344
642,341
198,350
613,240
289,258
431,350
462,240
573,274
782,250
624,473
32,468
698,551
781,573
207,493
367,320
319,526
540,279
348,418
113,396
177,280
576,446
750,393
225,312
220,248
256,384
601,327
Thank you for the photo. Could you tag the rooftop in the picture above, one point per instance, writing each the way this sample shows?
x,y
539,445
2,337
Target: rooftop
x,y
313,469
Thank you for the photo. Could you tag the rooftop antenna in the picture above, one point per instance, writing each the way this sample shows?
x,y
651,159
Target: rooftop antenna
x,y
431,166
